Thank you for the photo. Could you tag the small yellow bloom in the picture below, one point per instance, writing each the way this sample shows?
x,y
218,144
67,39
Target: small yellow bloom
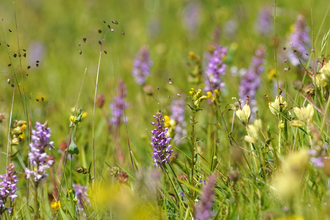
x,y
290,218
56,205
73,118
167,121
84,115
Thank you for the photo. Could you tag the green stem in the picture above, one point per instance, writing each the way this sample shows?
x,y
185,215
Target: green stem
x,y
193,142
36,217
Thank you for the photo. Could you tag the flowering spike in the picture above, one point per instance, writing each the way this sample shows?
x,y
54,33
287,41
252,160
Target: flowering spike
x,y
8,187
160,142
142,64
299,41
38,158
251,80
118,105
203,209
216,69
82,199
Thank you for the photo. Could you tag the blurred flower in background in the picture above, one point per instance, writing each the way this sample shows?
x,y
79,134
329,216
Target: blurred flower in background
x,y
264,22
299,41
142,64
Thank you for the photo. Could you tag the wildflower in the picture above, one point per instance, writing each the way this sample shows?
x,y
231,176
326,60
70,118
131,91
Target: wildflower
x,y
81,197
305,114
279,105
251,80
216,69
196,68
244,113
118,105
56,205
8,187
160,142
288,182
299,41
207,197
38,158
177,116
253,131
142,64
265,21
17,133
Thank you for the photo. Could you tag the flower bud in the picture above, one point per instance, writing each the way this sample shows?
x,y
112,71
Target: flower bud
x,y
100,99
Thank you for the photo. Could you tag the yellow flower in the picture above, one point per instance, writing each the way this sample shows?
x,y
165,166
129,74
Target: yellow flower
x,y
84,115
73,118
56,205
167,121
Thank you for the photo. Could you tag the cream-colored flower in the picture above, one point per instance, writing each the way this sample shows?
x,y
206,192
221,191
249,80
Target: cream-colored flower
x,y
244,114
279,105
305,114
253,131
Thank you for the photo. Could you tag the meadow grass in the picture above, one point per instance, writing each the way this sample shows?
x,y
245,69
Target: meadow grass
x,y
164,110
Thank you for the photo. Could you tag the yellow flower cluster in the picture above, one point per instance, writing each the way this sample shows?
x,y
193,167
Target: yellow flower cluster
x,y
17,133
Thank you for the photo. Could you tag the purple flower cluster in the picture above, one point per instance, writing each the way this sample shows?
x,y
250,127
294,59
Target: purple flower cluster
x,y
299,42
251,80
83,200
207,197
38,158
160,142
142,64
8,186
177,109
216,68
265,21
118,105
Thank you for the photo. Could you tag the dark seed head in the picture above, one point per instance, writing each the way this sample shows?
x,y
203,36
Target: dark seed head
x,y
19,55
37,61
114,22
123,32
37,100
24,50
80,52
12,85
37,65
8,45
15,55
84,39
104,21
99,31
9,30
105,52
9,64
24,55
100,42
284,48
28,67
109,26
